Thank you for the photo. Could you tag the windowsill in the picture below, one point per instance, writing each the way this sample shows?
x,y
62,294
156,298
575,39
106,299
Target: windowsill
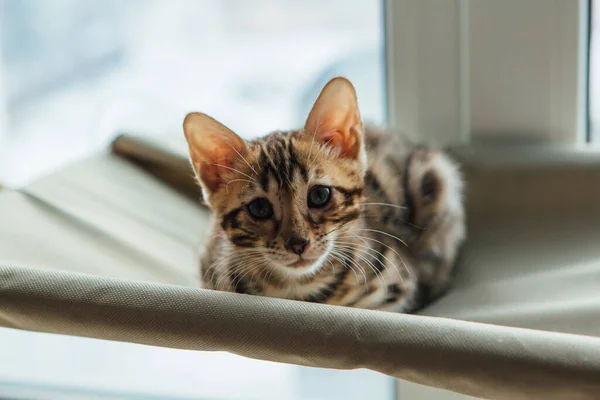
x,y
494,153
506,177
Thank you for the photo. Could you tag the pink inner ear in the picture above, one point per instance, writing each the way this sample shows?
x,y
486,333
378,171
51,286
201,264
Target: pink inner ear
x,y
346,143
213,147
212,160
223,155
212,175
333,139
215,168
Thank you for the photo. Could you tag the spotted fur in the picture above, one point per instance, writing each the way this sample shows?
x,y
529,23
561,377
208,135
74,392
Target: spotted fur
x,y
387,238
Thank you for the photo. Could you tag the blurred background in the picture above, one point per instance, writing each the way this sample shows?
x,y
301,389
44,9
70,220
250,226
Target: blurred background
x,y
86,70
74,74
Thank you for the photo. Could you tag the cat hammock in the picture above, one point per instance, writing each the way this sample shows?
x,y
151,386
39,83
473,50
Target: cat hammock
x,y
76,293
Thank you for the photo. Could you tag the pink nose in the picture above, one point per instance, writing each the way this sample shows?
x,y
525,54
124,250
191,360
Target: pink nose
x,y
297,245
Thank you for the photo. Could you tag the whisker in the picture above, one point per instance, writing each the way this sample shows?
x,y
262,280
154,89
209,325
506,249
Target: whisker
x,y
233,169
240,266
385,204
393,218
232,260
344,225
270,274
225,135
377,273
369,248
260,268
247,163
332,267
237,180
347,258
351,247
225,276
386,246
346,255
249,268
339,258
324,147
212,268
383,233
269,157
312,145
265,270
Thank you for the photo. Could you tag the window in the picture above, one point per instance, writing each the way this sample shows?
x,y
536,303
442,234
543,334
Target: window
x,y
43,366
594,72
505,84
487,71
75,74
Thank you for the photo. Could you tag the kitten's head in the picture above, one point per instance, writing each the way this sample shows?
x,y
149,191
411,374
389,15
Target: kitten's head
x,y
281,200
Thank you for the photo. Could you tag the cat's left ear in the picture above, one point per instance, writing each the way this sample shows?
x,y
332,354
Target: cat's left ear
x,y
335,119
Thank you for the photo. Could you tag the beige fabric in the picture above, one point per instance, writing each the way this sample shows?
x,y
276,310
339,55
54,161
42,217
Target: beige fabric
x,y
108,217
530,271
163,157
531,259
475,359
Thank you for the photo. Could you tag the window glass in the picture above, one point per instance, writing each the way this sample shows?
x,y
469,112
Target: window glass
x,y
43,366
73,74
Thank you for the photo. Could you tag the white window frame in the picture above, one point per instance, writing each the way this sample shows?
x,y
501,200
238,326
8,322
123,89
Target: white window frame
x,y
460,70
486,76
3,110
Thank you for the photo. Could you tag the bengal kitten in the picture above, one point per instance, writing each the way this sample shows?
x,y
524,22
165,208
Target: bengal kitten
x,y
333,213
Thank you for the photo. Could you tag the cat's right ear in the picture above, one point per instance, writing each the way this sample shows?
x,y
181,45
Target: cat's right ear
x,y
335,120
214,148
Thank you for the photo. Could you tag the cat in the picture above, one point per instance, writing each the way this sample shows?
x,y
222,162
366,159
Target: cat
x,y
335,213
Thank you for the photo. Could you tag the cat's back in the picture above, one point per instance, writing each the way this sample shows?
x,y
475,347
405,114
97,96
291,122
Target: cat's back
x,y
388,155
409,183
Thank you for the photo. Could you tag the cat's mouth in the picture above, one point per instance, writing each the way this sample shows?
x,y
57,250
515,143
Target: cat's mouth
x,y
303,266
302,262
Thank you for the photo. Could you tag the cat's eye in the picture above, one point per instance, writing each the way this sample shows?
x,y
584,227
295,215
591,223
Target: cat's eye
x,y
319,196
260,208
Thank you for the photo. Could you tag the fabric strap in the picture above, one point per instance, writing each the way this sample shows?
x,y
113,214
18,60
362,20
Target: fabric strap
x,y
476,359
